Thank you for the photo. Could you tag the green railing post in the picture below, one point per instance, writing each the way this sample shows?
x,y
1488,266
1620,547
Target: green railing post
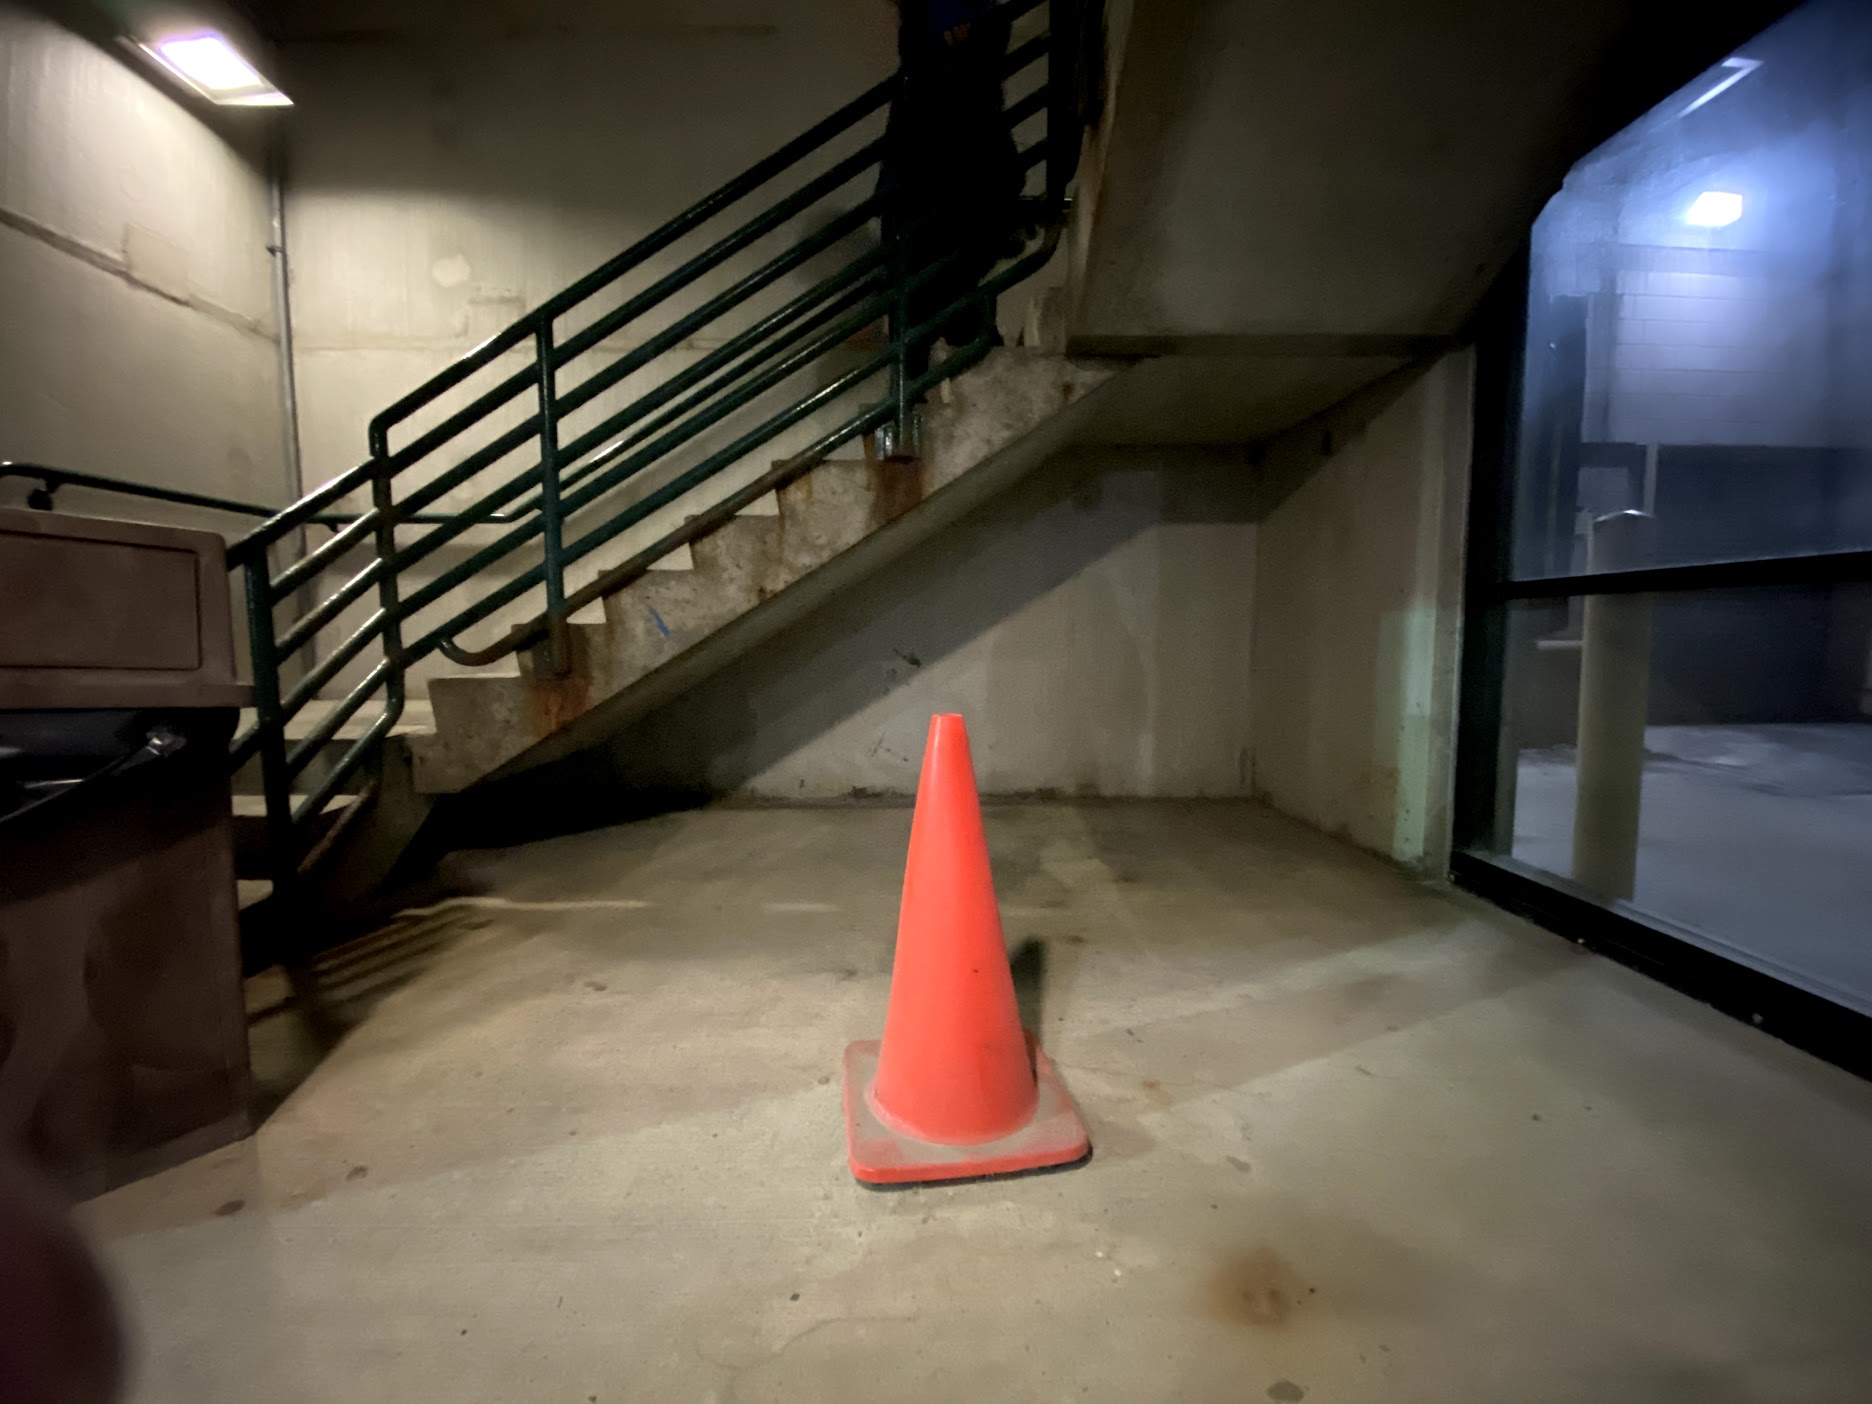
x,y
383,502
901,409
1063,101
270,729
557,651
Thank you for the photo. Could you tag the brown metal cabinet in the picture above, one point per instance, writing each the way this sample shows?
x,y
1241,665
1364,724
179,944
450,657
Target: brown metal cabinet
x,y
123,1036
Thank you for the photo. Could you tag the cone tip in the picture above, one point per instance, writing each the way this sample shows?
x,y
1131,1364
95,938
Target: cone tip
x,y
948,737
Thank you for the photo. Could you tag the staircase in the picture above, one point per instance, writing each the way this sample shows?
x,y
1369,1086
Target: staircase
x,y
638,480
751,575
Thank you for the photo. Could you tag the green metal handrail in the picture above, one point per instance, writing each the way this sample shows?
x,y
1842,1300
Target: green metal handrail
x,y
553,505
51,479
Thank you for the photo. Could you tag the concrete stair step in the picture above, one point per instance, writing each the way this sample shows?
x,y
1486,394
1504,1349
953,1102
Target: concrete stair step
x,y
827,511
456,702
417,717
660,614
481,723
742,559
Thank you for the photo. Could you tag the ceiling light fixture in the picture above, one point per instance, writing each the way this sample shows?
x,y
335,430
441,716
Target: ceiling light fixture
x,y
1713,209
211,66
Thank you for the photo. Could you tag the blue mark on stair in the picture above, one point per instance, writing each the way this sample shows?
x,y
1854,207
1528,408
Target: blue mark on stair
x,y
659,620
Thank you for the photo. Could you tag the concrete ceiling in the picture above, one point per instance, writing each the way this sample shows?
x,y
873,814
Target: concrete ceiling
x,y
1356,168
1296,196
293,21
1226,399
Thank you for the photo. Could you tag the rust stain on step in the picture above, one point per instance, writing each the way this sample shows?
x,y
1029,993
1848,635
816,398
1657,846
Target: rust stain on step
x,y
895,489
553,702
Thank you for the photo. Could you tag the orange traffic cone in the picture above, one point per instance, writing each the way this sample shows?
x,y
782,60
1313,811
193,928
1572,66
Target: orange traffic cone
x,y
956,1088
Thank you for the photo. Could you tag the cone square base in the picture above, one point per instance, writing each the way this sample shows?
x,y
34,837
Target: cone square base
x,y
880,1156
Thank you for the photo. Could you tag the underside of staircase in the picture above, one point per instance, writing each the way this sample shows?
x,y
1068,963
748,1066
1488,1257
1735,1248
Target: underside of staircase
x,y
755,574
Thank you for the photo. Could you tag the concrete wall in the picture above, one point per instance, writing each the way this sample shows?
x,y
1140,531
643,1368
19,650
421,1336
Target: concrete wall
x,y
1134,622
1093,625
1358,613
135,286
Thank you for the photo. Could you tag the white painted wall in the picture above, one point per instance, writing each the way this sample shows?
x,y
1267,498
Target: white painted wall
x,y
136,324
1092,624
1358,613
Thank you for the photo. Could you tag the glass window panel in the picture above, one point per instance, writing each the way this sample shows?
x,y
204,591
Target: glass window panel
x,y
1700,315
1747,780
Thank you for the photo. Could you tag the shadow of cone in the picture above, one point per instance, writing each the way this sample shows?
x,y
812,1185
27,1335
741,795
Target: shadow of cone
x,y
956,1088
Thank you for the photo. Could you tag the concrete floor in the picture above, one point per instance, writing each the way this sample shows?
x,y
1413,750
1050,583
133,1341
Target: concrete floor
x,y
1753,840
1355,1140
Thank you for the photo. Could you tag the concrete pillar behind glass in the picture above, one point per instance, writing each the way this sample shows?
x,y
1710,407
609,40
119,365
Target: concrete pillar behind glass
x,y
1615,681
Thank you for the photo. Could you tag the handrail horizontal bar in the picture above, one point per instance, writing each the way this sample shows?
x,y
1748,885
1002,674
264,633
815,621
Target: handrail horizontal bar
x,y
314,741
875,308
348,763
327,609
1032,105
310,564
52,479
865,263
878,306
1028,158
748,181
307,687
693,529
300,512
1023,54
242,748
454,374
